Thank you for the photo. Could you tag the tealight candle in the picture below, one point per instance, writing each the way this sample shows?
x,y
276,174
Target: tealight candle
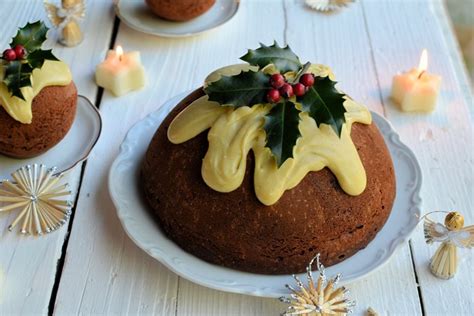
x,y
416,90
121,72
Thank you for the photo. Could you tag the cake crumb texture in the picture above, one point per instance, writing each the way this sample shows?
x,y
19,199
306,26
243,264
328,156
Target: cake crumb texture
x,y
179,10
237,231
54,110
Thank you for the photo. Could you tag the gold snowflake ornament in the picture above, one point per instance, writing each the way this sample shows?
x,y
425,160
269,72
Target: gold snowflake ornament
x,y
317,299
327,5
36,192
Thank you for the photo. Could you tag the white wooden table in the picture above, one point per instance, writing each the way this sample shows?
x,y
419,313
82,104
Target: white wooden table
x,y
90,266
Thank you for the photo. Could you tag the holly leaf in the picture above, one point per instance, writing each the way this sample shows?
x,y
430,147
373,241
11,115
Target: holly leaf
x,y
31,36
282,57
17,75
325,104
281,127
18,72
36,58
245,89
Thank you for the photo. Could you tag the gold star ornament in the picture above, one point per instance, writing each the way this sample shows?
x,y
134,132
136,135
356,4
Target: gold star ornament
x,y
38,195
322,298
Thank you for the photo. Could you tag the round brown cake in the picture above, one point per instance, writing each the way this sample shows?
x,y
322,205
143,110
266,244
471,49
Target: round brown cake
x,y
237,231
179,10
54,110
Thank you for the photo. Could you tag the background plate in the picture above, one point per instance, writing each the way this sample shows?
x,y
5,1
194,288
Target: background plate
x,y
143,230
71,150
137,15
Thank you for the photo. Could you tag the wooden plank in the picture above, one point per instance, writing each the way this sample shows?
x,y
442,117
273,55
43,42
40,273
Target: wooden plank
x,y
30,264
116,272
230,44
97,238
355,71
198,300
341,41
442,141
453,46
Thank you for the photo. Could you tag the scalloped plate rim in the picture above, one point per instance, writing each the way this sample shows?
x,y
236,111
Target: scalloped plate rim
x,y
262,291
88,106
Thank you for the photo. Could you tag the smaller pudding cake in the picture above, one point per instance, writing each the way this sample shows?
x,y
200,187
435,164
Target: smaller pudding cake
x,y
179,10
37,96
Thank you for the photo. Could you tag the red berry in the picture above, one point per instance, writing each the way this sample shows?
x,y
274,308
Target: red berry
x,y
9,54
273,96
299,89
307,80
277,81
286,90
20,51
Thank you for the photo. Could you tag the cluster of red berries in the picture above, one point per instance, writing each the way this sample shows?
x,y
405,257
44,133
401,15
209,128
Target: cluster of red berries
x,y
283,88
18,52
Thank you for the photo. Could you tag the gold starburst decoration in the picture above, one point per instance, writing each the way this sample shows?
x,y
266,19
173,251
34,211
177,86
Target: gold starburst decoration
x,y
327,5
317,299
36,192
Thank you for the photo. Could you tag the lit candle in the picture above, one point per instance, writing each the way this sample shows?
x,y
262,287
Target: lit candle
x,y
416,90
121,72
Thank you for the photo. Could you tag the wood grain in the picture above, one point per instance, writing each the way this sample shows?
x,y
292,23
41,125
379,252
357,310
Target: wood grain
x,y
163,58
30,264
365,44
346,48
442,140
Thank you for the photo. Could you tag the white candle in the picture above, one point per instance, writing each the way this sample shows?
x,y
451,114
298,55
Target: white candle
x,y
121,72
416,90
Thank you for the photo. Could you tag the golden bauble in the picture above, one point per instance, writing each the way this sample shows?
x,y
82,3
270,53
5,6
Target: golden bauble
x,y
454,221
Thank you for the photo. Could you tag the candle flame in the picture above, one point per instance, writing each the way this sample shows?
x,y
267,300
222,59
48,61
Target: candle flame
x,y
119,51
423,61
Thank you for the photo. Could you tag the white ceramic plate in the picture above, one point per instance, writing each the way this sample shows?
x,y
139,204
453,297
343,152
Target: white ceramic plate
x,y
143,230
73,149
136,14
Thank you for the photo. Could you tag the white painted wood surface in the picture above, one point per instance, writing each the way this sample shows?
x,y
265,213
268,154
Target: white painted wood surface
x,y
105,273
443,141
30,264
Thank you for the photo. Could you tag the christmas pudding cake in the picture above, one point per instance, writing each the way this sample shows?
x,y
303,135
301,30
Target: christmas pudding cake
x,y
179,10
37,95
267,165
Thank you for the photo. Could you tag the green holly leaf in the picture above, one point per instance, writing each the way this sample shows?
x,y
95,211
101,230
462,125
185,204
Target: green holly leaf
x,y
31,36
324,103
245,89
281,127
17,75
18,72
36,58
282,57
